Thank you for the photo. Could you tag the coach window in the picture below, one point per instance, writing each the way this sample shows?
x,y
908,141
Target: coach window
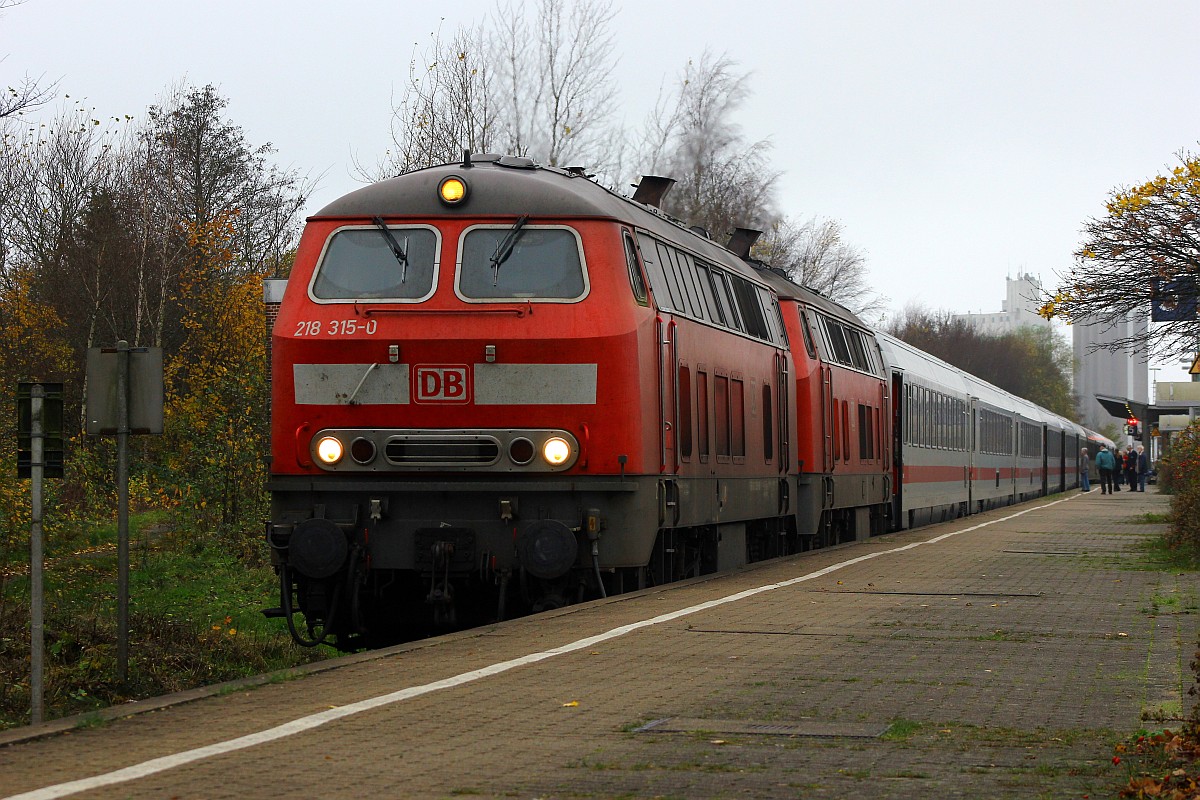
x,y
506,262
369,263
702,415
685,412
635,272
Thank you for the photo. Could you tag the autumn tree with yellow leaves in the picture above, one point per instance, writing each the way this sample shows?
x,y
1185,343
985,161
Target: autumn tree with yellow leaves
x,y
158,232
1144,253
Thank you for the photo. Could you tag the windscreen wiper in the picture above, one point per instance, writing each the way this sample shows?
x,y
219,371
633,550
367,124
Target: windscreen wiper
x,y
505,248
401,253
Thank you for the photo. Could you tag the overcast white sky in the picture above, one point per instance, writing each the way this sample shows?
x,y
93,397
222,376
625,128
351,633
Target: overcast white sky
x,y
957,141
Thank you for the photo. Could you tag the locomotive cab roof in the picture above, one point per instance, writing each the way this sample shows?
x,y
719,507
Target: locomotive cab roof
x,y
510,186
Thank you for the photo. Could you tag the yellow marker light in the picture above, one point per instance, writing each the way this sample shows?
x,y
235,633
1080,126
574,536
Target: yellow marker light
x,y
556,451
452,190
329,450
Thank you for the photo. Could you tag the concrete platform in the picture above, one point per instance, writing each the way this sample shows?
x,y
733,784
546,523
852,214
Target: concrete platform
x,y
998,656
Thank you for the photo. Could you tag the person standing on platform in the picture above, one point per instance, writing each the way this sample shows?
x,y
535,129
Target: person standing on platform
x,y
1131,468
1085,481
1118,468
1143,467
1105,461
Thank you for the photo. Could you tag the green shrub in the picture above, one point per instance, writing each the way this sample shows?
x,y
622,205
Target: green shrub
x,y
1183,469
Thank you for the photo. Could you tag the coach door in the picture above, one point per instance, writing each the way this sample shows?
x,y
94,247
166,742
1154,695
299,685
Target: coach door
x,y
899,427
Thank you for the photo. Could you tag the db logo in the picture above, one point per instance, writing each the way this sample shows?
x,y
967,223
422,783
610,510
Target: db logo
x,y
442,384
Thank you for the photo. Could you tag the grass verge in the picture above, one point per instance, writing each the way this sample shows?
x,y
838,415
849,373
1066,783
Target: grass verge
x,y
194,613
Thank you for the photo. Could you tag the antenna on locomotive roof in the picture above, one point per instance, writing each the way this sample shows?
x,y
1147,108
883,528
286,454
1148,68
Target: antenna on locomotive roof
x,y
742,240
466,159
652,189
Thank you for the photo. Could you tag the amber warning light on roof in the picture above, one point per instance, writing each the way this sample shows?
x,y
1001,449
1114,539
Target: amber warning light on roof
x,y
452,190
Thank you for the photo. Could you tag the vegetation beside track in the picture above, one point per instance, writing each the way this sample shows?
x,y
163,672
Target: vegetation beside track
x,y
1165,762
193,611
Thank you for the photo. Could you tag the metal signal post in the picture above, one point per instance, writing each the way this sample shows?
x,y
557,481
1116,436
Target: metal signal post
x,y
39,456
36,557
125,396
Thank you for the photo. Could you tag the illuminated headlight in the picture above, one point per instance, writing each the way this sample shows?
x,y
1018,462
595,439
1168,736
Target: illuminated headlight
x,y
556,451
452,190
329,450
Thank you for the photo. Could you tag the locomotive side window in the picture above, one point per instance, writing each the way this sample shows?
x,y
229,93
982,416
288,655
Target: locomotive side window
x,y
772,316
704,284
635,272
808,342
654,273
837,339
858,350
364,262
531,262
681,283
750,308
687,274
725,299
671,279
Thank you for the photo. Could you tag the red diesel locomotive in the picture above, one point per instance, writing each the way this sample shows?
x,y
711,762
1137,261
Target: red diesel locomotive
x,y
499,387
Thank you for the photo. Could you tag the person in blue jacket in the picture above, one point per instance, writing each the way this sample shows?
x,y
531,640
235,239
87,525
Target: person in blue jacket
x,y
1105,463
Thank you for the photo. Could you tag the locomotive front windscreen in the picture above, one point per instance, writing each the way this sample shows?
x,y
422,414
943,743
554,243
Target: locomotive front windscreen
x,y
367,263
521,262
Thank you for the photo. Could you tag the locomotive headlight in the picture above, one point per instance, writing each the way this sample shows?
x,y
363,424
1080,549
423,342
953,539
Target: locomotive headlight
x,y
452,190
329,450
556,451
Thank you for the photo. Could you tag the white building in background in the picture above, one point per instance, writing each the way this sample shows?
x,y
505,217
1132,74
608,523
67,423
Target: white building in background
x,y
1120,374
1019,308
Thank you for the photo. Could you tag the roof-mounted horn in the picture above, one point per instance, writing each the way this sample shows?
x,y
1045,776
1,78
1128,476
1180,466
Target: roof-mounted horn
x,y
742,240
652,189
